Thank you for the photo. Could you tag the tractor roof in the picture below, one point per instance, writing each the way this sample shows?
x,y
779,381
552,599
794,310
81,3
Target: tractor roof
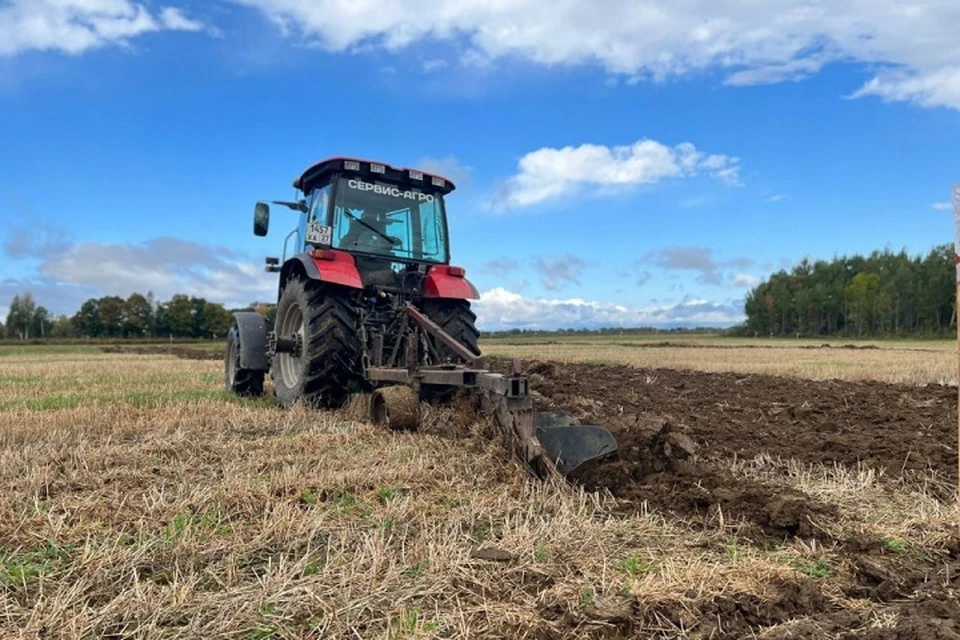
x,y
321,173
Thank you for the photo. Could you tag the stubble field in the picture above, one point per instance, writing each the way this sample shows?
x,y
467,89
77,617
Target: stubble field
x,y
140,500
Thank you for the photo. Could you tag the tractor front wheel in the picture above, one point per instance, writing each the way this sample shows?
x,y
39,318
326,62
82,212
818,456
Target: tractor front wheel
x,y
243,382
324,362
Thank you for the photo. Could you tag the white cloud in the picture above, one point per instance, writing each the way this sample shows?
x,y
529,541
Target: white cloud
x,y
776,197
555,273
745,280
941,206
75,26
500,309
173,18
164,266
935,88
913,45
699,260
58,297
548,173
434,64
449,167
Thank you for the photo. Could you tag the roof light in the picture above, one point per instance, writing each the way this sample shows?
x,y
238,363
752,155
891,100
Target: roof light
x,y
416,175
351,165
438,182
378,168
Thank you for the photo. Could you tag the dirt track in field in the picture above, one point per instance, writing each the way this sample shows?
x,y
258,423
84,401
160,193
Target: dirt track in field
x,y
181,352
679,433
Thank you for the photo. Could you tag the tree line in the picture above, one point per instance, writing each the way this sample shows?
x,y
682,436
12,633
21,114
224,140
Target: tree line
x,y
883,294
137,316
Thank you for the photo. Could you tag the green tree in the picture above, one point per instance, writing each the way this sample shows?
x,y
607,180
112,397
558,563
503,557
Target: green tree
x,y
883,293
86,322
138,316
862,294
13,317
21,315
62,327
216,321
112,318
175,317
40,322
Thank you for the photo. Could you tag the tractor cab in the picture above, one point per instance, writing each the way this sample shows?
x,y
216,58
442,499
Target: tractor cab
x,y
391,221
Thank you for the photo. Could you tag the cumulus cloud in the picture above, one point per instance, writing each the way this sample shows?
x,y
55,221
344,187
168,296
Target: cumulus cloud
x,y
556,273
549,173
173,18
434,64
776,197
941,206
745,280
69,273
934,88
449,167
500,309
501,267
75,26
697,259
34,241
642,278
912,45
164,266
57,297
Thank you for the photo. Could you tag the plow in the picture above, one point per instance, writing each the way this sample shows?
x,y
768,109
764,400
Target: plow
x,y
368,302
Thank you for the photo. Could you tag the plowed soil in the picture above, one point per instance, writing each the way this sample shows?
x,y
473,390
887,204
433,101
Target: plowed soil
x,y
678,434
894,428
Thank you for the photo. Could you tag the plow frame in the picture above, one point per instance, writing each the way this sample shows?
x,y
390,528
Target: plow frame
x,y
549,445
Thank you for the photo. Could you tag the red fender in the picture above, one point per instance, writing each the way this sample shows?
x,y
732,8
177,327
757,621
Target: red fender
x,y
337,267
444,281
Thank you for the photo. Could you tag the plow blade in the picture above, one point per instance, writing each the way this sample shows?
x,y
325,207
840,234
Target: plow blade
x,y
570,444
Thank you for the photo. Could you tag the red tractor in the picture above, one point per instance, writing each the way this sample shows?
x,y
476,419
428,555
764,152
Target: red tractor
x,y
369,302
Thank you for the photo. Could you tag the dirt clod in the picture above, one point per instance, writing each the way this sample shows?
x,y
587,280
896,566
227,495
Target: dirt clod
x,y
493,553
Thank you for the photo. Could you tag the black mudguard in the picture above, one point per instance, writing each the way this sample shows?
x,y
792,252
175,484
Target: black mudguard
x,y
252,328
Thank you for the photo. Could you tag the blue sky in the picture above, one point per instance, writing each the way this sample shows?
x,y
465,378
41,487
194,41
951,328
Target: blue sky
x,y
618,163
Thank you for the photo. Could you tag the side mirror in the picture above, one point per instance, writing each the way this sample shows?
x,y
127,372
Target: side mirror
x,y
261,219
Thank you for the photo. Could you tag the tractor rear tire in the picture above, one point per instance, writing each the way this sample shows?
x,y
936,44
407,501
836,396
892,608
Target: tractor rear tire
x,y
328,365
243,382
457,319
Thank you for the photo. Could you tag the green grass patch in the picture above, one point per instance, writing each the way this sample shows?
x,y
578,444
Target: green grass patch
x,y
819,568
48,349
22,569
636,566
11,381
894,545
